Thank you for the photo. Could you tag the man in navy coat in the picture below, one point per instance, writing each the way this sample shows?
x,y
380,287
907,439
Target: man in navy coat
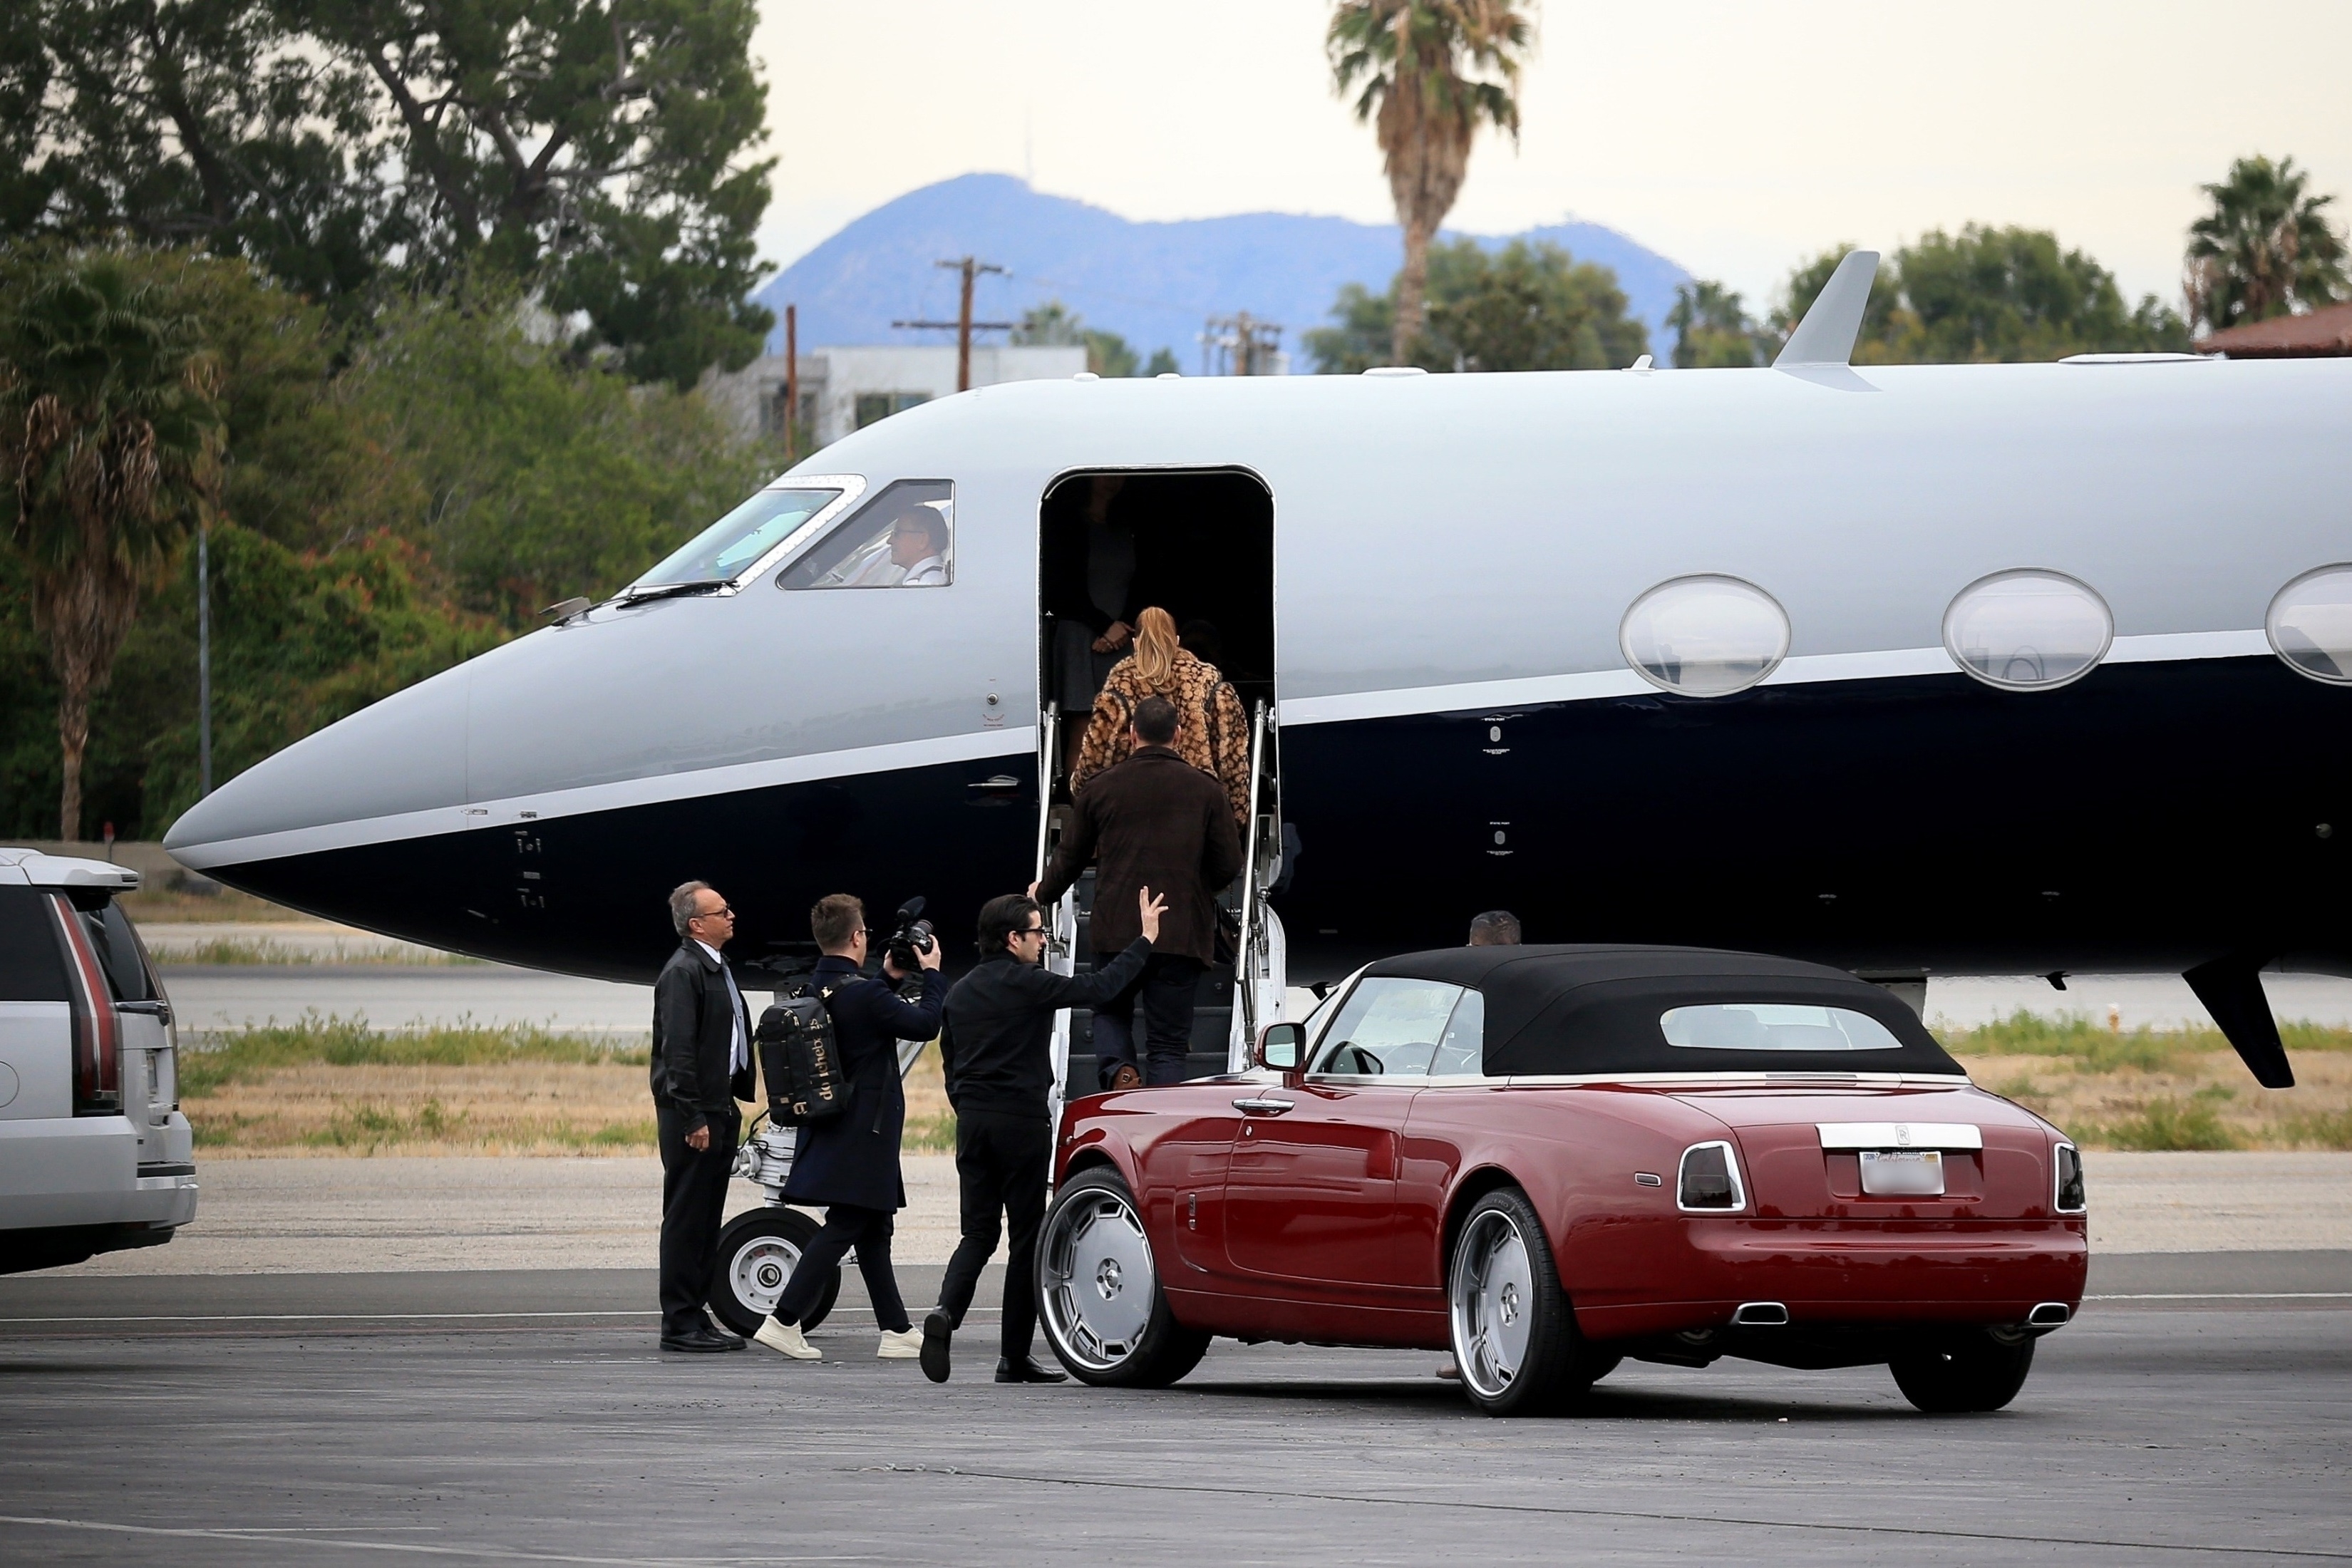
x,y
849,1163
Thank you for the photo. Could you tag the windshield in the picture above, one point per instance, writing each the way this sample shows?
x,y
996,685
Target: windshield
x,y
732,545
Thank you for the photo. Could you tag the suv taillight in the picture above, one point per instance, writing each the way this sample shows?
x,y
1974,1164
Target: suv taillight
x,y
97,1033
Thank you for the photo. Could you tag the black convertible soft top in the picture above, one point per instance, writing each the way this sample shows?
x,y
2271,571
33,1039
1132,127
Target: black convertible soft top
x,y
1595,1009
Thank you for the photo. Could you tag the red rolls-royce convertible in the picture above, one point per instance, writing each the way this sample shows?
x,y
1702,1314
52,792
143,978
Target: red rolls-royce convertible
x,y
1547,1159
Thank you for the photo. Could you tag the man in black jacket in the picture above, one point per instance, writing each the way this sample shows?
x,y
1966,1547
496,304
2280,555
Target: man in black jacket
x,y
996,1050
849,1163
702,1066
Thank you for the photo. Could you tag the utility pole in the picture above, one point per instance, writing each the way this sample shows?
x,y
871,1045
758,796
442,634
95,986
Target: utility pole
x,y
792,377
964,325
203,653
1246,344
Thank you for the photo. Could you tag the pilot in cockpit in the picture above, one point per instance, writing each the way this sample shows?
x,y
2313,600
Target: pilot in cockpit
x,y
916,556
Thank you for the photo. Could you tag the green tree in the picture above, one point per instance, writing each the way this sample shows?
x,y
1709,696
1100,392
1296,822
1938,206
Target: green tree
x,y
1712,329
1428,74
1163,363
599,151
1988,295
107,446
1521,306
1107,353
2265,250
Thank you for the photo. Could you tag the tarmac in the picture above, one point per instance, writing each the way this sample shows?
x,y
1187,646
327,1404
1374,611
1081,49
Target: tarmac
x,y
2195,1412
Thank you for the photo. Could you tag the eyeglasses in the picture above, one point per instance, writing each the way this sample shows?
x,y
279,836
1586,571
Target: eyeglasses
x,y
1030,931
727,910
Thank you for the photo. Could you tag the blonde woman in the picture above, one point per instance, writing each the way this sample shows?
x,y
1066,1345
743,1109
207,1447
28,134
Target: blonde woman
x,y
1211,733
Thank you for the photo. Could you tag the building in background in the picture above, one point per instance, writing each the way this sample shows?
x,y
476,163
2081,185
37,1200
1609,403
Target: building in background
x,y
845,389
2324,333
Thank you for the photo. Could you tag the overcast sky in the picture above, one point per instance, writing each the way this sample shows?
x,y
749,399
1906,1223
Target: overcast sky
x,y
1732,135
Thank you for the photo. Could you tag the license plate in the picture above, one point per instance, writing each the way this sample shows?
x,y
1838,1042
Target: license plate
x,y
1903,1172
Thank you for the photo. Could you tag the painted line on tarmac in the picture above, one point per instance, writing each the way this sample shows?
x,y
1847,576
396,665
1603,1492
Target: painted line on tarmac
x,y
2235,1296
339,1317
267,1536
1924,1531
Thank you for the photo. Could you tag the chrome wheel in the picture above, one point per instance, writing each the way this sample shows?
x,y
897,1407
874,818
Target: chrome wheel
x,y
1099,1283
1493,1299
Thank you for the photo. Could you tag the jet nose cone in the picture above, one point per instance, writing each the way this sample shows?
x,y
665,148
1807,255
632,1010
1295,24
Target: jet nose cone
x,y
338,787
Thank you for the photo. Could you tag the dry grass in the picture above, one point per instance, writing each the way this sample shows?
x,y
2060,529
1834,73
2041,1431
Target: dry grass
x,y
332,1085
2147,1088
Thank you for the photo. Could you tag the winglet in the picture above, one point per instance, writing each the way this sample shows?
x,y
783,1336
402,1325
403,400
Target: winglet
x,y
1826,334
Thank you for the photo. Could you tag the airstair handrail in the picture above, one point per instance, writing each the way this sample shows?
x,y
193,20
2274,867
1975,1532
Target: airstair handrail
x,y
1049,737
1253,936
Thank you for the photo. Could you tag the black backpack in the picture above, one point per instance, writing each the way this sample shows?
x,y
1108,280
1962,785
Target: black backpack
x,y
801,1062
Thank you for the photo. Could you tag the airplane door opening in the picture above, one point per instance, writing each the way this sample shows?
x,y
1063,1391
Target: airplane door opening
x,y
1200,545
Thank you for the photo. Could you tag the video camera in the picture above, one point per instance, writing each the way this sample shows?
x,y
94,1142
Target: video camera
x,y
910,936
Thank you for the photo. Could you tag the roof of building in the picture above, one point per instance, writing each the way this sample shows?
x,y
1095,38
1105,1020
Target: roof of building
x,y
1579,1009
2319,333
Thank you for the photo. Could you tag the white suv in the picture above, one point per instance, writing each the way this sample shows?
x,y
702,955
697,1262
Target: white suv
x,y
94,1154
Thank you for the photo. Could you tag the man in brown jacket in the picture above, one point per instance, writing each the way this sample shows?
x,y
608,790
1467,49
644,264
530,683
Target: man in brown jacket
x,y
1154,821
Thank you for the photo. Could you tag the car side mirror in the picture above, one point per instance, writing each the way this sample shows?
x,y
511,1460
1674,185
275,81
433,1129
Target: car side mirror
x,y
1281,1046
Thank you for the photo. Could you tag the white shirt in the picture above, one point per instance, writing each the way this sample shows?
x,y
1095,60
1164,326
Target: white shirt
x,y
931,572
739,1054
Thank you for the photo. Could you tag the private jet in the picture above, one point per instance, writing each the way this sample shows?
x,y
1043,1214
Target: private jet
x,y
1910,670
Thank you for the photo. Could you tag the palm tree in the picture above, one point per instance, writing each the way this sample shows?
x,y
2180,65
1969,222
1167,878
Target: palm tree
x,y
108,424
1430,71
2265,251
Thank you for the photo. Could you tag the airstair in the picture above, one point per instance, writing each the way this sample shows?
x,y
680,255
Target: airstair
x,y
1235,999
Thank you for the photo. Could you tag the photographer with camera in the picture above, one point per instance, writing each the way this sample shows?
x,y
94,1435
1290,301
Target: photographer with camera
x,y
996,1050
849,1163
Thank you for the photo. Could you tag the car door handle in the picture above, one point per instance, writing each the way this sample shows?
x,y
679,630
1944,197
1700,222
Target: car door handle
x,y
1268,1106
997,782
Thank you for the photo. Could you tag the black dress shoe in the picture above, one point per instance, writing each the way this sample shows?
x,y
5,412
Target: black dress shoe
x,y
701,1342
735,1342
1024,1370
938,1329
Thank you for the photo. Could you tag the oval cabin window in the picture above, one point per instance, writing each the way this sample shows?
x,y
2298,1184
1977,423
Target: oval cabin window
x,y
2310,625
1705,636
2028,631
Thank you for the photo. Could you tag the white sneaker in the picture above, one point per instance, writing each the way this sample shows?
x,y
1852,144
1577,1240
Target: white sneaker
x,y
786,1339
904,1344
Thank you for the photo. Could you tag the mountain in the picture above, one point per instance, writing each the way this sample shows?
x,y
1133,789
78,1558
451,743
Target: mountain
x,y
1152,283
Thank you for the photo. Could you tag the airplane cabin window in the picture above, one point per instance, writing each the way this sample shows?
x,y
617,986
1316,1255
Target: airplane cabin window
x,y
1773,1026
1705,636
1388,1027
2310,625
733,545
2027,630
903,538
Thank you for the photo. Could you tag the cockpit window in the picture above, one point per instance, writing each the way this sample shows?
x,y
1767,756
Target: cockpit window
x,y
733,545
903,538
1390,1026
1775,1026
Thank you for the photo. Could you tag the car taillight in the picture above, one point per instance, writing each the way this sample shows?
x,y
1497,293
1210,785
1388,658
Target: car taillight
x,y
2070,1197
97,1033
1710,1178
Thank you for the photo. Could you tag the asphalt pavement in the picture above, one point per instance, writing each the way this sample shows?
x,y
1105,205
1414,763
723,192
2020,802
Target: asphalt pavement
x,y
2196,1410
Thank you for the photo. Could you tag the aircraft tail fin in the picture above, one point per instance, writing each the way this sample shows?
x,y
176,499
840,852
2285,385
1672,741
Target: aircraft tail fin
x,y
1826,334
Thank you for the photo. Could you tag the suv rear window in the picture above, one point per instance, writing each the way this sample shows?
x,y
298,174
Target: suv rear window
x,y
31,967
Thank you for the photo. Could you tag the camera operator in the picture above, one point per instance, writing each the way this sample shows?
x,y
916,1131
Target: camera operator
x,y
849,1163
996,1048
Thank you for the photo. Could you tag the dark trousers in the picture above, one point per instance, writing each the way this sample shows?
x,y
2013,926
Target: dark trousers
x,y
1002,1160
694,1196
1166,989
846,1226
